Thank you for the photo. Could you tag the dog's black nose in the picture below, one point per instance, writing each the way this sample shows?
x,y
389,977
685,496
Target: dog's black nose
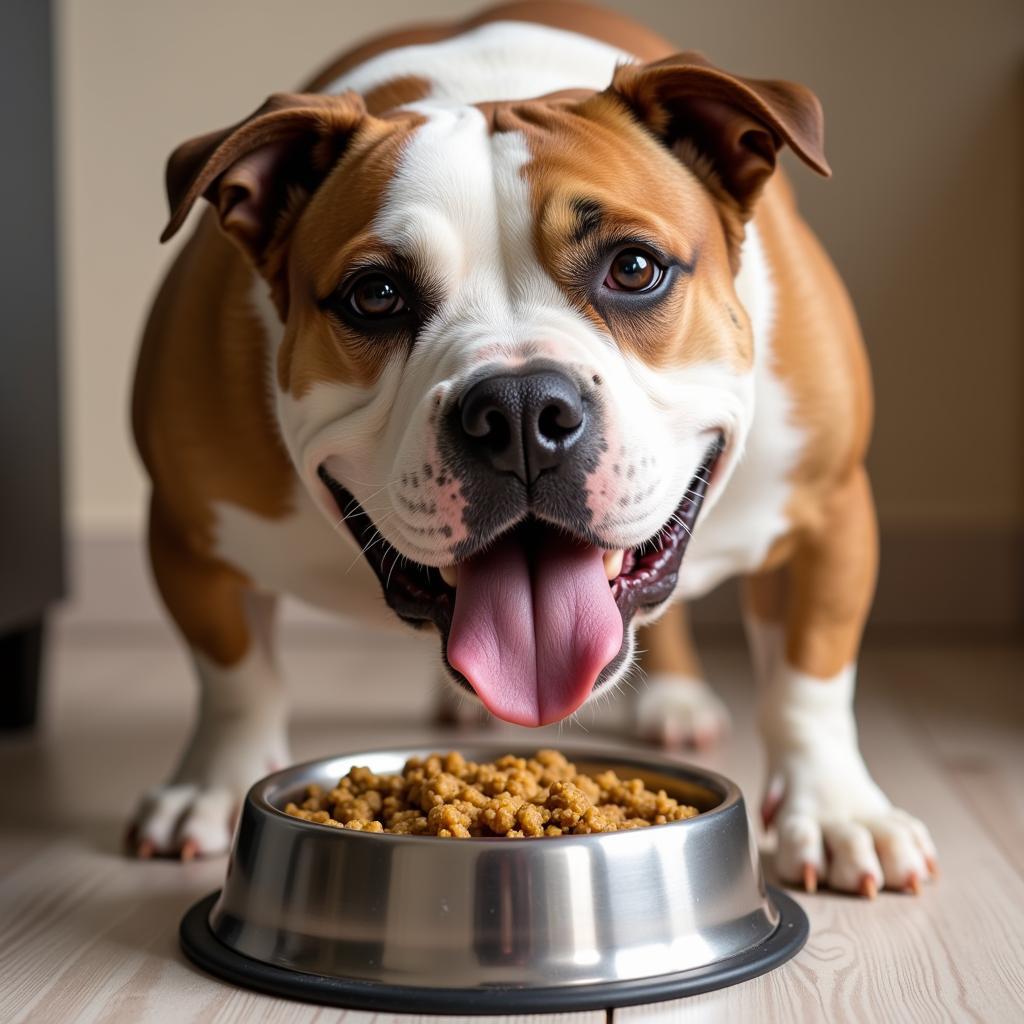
x,y
523,424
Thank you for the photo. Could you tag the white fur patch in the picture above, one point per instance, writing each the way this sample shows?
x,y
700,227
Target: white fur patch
x,y
503,60
811,736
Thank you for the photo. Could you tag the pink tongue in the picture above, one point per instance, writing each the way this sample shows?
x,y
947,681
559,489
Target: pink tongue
x,y
533,629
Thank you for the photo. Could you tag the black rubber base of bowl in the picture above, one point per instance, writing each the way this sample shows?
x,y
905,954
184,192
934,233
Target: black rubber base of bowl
x,y
202,947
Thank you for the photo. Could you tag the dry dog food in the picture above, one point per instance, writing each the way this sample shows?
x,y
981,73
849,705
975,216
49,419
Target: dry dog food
x,y
516,797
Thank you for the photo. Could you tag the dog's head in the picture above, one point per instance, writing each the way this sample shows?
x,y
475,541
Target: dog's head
x,y
512,360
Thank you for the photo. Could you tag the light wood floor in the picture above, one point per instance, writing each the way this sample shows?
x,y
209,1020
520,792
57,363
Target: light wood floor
x,y
87,935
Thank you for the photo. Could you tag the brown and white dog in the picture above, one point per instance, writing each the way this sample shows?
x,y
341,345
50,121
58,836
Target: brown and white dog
x,y
503,306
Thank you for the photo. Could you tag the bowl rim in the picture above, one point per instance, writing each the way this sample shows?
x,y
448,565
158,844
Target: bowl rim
x,y
732,796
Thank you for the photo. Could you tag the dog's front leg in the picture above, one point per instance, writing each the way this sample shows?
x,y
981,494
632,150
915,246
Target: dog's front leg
x,y
805,623
675,707
240,732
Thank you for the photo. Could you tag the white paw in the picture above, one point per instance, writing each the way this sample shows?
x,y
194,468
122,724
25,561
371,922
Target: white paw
x,y
194,814
861,853
674,711
184,820
834,824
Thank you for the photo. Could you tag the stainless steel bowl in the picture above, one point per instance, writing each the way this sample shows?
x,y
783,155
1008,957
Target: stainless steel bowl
x,y
494,925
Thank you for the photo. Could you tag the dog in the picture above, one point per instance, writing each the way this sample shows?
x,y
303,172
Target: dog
x,y
499,320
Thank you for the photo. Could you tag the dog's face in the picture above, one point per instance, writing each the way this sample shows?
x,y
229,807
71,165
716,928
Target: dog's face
x,y
514,365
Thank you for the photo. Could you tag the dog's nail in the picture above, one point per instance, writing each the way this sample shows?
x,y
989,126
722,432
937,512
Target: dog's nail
x,y
933,866
868,886
145,849
189,850
613,562
913,884
810,878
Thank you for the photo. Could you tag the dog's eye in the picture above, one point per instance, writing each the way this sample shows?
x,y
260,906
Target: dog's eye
x,y
633,270
375,296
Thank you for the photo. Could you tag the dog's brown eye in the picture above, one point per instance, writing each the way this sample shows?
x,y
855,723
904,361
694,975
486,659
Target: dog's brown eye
x,y
375,296
633,270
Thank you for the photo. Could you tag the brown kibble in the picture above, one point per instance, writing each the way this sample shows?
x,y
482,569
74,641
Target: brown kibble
x,y
445,795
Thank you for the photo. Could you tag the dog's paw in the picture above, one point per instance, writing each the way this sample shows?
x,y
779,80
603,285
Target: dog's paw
x,y
836,827
194,814
858,854
184,820
673,712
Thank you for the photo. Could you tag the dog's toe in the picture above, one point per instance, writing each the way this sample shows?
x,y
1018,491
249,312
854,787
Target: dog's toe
x,y
674,711
800,853
853,864
904,847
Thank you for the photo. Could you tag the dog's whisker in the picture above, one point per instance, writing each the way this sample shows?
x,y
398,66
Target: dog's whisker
x,y
398,555
375,538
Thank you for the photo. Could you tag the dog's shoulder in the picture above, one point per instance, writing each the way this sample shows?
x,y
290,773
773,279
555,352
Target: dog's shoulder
x,y
204,351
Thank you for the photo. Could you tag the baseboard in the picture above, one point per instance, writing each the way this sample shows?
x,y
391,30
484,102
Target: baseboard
x,y
963,580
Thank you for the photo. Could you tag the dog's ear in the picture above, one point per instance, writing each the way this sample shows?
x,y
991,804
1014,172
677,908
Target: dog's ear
x,y
738,123
250,171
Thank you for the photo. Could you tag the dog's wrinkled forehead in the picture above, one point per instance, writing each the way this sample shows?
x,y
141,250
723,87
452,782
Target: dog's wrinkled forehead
x,y
459,208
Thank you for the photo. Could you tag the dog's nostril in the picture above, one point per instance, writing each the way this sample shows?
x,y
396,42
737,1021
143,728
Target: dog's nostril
x,y
497,432
486,419
558,420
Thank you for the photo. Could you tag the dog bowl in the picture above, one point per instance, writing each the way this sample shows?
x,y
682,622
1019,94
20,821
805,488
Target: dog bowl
x,y
418,923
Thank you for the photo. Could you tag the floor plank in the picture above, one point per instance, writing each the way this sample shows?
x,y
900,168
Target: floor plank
x,y
971,715
86,935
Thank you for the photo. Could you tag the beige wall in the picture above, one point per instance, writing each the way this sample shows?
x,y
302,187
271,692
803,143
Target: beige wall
x,y
924,215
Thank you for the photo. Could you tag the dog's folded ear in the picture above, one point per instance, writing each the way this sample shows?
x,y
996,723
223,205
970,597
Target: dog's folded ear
x,y
250,171
738,123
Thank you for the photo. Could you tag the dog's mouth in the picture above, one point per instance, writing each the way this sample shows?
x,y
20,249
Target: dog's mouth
x,y
534,620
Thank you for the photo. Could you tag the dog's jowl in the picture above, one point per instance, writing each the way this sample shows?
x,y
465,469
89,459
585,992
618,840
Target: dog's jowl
x,y
515,323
